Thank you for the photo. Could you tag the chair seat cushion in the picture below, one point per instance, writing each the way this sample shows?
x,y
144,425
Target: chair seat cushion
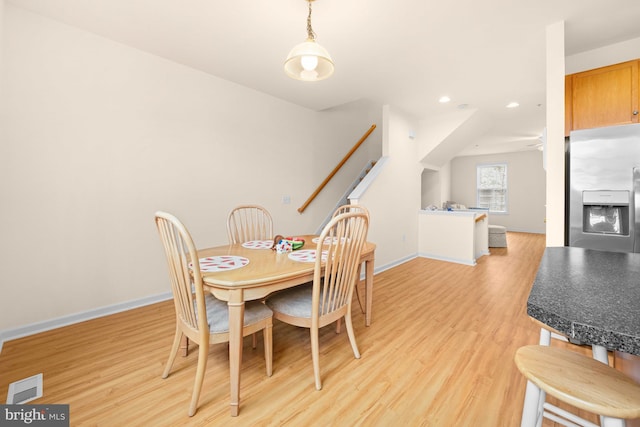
x,y
293,302
218,313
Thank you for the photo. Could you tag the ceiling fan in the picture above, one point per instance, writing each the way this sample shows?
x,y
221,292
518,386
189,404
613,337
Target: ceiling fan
x,y
541,141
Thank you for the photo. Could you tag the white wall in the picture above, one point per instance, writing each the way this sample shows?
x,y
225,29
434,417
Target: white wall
x,y
555,146
445,182
436,186
342,127
96,136
394,197
1,31
526,181
607,55
430,189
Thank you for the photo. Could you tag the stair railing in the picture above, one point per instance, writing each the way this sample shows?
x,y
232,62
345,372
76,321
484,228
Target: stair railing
x,y
344,200
336,169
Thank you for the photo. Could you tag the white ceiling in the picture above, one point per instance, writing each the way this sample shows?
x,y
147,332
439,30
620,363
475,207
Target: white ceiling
x,y
406,53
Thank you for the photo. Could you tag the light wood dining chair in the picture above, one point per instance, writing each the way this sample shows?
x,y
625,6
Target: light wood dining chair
x,y
199,316
329,297
350,208
340,210
246,223
249,222
578,380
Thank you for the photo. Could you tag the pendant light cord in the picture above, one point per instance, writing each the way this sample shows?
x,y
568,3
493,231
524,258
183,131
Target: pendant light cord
x,y
310,34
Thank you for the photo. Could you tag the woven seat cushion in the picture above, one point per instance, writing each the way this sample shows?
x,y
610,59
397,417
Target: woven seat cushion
x,y
293,302
218,313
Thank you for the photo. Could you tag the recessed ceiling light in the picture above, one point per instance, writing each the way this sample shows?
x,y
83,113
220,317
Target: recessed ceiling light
x,y
444,99
513,105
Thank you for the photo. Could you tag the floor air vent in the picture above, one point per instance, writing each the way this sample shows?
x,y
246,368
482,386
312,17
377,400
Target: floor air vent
x,y
25,390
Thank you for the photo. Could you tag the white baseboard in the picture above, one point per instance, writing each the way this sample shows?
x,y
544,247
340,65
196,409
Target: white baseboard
x,y
441,258
34,328
380,269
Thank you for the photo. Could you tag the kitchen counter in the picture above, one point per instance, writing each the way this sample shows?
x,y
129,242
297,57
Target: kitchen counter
x,y
591,296
459,236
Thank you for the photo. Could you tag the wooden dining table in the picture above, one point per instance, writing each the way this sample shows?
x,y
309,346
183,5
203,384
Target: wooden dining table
x,y
266,272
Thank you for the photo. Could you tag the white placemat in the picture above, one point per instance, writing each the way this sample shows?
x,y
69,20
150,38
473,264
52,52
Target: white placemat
x,y
328,240
306,255
258,244
221,263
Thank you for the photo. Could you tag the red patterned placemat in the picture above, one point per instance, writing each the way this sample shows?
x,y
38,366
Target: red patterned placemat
x,y
327,240
306,255
222,263
258,244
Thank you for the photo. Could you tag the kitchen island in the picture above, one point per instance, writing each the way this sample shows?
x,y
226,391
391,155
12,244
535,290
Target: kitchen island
x,y
460,236
590,296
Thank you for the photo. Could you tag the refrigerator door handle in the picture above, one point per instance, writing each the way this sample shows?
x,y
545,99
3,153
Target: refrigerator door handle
x,y
636,210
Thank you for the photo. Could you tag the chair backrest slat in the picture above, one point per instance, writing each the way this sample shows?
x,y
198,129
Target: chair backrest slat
x,y
334,282
350,208
249,222
184,271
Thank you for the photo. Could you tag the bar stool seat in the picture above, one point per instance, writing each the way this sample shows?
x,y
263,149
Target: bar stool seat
x,y
579,381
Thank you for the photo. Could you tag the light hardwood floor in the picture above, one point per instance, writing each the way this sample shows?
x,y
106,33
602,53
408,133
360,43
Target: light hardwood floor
x,y
439,352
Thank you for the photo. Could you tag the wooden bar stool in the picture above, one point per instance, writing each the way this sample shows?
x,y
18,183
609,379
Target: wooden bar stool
x,y
577,380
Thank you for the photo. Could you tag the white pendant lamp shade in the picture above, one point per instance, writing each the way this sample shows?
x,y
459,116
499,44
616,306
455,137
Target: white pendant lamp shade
x,y
308,61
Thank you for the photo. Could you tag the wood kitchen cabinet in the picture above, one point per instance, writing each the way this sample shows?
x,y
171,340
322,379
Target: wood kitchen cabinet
x,y
606,96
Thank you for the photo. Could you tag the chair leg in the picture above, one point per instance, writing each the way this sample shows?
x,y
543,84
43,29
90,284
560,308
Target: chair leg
x,y
542,398
545,337
600,354
184,346
268,347
338,325
254,340
174,352
613,422
532,409
315,356
203,353
351,334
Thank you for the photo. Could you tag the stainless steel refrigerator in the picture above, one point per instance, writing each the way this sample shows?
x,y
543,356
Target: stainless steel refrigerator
x,y
604,183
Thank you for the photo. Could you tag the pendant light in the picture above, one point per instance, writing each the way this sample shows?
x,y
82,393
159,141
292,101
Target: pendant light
x,y
308,61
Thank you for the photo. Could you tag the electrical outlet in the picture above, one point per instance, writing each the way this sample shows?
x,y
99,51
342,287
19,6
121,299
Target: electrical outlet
x,y
286,200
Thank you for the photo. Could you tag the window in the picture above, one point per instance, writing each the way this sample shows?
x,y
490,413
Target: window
x,y
491,187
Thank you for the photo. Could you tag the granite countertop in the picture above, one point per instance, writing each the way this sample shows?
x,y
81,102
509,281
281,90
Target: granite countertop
x,y
591,296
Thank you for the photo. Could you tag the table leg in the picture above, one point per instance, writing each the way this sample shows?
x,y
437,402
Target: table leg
x,y
368,291
236,321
